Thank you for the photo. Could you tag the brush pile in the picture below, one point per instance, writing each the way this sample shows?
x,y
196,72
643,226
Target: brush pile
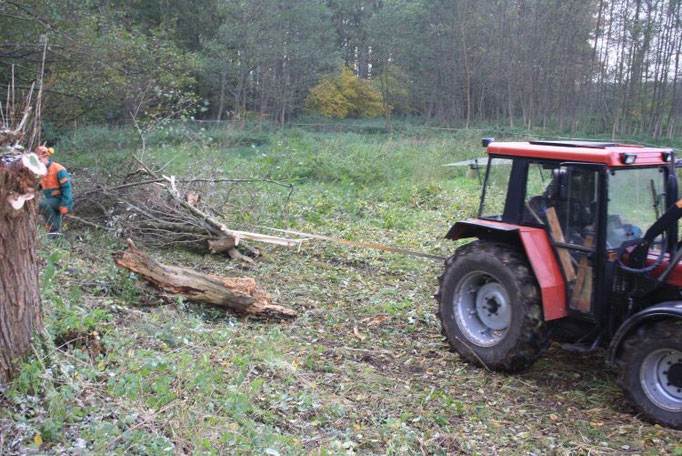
x,y
167,212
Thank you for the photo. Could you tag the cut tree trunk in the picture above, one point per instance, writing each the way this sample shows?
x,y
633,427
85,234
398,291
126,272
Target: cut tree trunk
x,y
238,294
221,245
20,311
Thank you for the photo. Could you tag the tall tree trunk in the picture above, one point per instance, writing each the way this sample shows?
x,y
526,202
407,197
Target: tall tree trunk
x,y
467,70
673,97
282,114
383,80
510,106
261,107
221,103
20,310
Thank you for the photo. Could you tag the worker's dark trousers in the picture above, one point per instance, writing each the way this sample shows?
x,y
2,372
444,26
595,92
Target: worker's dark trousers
x,y
49,209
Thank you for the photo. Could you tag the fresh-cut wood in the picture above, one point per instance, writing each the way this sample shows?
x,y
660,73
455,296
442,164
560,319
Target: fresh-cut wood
x,y
578,301
558,236
241,295
220,245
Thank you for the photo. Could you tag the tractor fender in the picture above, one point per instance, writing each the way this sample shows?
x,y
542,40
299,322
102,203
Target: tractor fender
x,y
666,309
535,242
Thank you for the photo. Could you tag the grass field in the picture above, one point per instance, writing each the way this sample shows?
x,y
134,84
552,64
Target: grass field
x,y
362,370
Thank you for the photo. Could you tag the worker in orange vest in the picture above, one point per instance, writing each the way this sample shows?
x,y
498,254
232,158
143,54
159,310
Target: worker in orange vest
x,y
57,197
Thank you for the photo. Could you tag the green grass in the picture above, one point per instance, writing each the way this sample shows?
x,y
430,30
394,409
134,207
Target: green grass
x,y
362,370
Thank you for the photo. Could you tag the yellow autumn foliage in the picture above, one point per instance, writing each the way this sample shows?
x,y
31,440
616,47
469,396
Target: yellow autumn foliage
x,y
344,95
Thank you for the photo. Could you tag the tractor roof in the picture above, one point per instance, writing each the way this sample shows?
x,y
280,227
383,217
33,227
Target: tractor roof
x,y
610,154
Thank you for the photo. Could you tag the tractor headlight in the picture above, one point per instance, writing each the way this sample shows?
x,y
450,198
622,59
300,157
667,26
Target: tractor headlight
x,y
666,156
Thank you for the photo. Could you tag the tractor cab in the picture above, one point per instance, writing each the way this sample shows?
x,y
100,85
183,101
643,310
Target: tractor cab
x,y
591,198
576,240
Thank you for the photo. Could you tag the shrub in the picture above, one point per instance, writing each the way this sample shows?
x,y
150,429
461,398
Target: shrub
x,y
343,96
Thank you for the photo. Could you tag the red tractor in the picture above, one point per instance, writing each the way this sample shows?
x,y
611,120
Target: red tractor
x,y
577,241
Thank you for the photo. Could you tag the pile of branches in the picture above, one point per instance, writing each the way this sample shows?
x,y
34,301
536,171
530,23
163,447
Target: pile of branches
x,y
167,212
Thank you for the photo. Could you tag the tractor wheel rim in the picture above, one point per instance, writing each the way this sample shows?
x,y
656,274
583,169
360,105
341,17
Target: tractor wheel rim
x,y
482,309
661,379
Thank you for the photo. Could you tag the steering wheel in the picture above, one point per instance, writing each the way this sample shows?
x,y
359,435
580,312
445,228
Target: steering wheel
x,y
639,255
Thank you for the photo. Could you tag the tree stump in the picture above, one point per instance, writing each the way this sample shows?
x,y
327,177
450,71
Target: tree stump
x,y
20,309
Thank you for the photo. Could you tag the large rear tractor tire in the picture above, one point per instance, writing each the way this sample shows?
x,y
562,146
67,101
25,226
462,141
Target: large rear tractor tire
x,y
651,372
490,307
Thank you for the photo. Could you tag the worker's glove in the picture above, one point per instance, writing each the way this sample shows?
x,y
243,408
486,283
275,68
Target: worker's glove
x,y
63,210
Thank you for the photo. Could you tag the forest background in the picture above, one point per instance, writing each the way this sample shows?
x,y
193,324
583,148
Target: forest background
x,y
573,66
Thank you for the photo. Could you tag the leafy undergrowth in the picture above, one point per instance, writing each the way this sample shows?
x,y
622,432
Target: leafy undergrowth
x,y
362,370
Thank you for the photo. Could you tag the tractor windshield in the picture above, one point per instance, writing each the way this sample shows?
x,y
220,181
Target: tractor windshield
x,y
636,200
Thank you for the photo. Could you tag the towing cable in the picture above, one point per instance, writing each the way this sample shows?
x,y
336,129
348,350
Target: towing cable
x,y
367,245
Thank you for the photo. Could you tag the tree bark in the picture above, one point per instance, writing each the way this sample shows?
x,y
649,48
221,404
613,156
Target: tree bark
x,y
240,295
20,309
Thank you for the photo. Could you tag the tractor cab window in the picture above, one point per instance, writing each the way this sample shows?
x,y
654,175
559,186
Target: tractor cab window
x,y
539,189
495,190
564,200
636,200
580,207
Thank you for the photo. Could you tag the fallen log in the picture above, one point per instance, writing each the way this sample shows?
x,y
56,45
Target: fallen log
x,y
238,294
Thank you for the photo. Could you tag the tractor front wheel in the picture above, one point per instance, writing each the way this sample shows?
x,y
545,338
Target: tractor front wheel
x,y
651,372
490,309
